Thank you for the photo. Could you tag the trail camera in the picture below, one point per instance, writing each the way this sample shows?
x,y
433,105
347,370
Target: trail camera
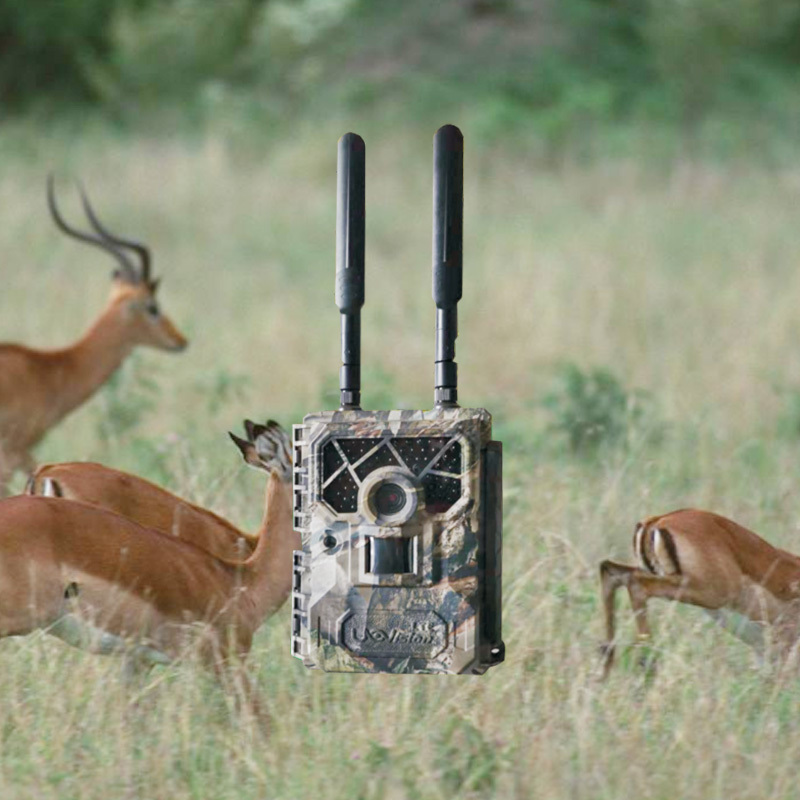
x,y
400,511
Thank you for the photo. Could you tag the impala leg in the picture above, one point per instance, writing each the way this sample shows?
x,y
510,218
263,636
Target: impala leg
x,y
233,677
139,659
612,577
133,669
749,631
252,699
641,587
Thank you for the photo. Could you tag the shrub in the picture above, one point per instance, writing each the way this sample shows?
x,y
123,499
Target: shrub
x,y
44,45
592,408
164,50
699,48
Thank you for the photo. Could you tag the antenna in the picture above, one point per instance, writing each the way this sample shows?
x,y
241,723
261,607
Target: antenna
x,y
448,210
350,263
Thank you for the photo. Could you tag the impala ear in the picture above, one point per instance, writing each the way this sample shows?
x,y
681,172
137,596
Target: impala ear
x,y
274,452
269,439
254,429
247,449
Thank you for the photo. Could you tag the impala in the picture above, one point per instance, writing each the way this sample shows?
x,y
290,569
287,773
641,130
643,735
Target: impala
x,y
145,503
706,560
104,583
38,388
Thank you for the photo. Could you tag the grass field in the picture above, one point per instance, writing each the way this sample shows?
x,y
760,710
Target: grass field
x,y
680,278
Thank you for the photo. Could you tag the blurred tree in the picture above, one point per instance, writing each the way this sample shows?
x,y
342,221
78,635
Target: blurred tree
x,y
43,45
103,50
553,65
700,48
159,51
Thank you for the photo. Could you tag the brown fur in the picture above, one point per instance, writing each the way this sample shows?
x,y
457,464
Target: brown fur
x,y
38,388
708,561
135,582
145,503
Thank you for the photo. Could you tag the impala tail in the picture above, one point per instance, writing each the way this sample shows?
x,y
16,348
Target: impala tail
x,y
703,559
49,488
655,548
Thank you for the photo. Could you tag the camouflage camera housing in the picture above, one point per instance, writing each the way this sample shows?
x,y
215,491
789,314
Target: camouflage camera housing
x,y
400,514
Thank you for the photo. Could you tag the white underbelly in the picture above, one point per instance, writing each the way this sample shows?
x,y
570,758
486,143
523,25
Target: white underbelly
x,y
739,625
84,635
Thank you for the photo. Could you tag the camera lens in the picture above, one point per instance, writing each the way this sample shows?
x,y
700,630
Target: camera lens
x,y
389,499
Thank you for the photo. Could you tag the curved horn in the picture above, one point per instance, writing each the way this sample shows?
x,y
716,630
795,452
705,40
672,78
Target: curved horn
x,y
129,272
142,251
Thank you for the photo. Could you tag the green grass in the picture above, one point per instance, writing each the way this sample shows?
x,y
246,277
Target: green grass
x,y
680,279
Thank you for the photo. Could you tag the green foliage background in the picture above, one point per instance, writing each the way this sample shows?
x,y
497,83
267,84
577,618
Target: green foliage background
x,y
550,61
629,317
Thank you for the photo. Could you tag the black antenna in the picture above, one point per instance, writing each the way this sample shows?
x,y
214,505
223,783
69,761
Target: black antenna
x,y
350,263
448,210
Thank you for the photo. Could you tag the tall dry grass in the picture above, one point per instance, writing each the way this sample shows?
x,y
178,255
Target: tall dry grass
x,y
681,278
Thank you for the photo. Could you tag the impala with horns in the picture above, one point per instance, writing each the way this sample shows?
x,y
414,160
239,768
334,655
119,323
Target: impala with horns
x,y
146,503
104,583
705,560
38,388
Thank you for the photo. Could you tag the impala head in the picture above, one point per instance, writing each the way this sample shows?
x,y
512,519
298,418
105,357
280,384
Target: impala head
x,y
134,291
267,448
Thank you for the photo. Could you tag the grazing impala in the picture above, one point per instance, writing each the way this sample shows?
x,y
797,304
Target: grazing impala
x,y
706,560
104,583
38,388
